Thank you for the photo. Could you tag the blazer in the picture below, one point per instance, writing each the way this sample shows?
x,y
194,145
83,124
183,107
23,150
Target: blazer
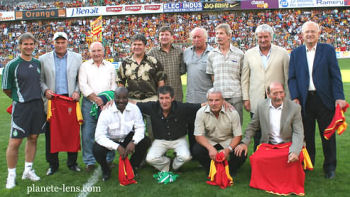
x,y
74,61
291,129
325,74
255,79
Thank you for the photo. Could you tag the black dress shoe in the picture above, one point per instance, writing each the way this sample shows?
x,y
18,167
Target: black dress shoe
x,y
74,168
51,171
106,176
330,175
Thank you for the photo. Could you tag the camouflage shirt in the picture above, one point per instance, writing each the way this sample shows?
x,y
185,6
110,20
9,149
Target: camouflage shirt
x,y
141,79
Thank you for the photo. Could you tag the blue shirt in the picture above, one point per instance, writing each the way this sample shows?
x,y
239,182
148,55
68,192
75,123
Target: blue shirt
x,y
61,81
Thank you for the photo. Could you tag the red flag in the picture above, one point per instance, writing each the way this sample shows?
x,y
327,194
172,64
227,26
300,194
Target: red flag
x,y
338,122
126,173
219,172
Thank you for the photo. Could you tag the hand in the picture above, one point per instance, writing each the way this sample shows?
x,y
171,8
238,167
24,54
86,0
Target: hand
x,y
130,148
76,96
292,157
228,106
341,103
98,101
121,151
226,152
108,104
240,148
49,93
247,105
212,153
296,101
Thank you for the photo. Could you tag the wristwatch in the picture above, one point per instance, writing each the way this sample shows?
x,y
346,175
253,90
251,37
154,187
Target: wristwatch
x,y
230,148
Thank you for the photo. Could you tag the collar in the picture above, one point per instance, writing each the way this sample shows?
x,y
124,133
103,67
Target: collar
x,y
207,109
102,64
312,49
160,48
271,106
133,60
231,49
55,55
207,49
268,54
115,109
172,109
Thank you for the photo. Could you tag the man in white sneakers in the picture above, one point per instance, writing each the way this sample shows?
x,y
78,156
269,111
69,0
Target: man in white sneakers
x,y
21,82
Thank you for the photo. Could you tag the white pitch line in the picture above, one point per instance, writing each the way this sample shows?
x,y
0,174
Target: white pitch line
x,y
92,181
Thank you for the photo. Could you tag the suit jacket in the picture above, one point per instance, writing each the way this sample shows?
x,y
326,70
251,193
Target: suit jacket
x,y
255,79
74,60
291,129
325,74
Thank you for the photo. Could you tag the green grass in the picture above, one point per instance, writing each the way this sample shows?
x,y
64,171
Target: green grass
x,y
192,178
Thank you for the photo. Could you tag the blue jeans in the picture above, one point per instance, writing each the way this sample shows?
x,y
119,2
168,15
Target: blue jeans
x,y
88,134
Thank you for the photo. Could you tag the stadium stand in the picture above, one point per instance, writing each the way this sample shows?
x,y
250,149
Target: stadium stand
x,y
118,29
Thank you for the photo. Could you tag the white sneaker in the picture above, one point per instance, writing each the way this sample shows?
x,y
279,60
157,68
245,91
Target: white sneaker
x,y
30,174
11,181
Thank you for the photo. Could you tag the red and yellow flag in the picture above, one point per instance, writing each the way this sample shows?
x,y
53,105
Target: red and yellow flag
x,y
96,29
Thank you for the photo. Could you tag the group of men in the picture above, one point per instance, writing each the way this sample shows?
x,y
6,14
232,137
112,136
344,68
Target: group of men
x,y
220,82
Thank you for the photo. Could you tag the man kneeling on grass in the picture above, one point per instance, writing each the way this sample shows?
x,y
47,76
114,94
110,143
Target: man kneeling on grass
x,y
120,127
169,122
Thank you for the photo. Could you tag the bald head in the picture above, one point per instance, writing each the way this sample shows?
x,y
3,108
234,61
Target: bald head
x,y
97,52
276,93
121,98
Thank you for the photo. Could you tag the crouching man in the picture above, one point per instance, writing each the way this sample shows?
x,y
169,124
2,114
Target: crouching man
x,y
120,127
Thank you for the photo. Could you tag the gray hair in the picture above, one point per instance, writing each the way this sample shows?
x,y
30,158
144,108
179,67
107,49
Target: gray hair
x,y
205,33
96,43
26,36
310,23
264,28
214,91
226,27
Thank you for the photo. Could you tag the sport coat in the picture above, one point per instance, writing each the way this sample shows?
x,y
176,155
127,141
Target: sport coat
x,y
255,79
48,75
291,129
325,74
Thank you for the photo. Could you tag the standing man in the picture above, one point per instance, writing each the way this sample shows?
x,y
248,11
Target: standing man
x,y
21,82
171,57
262,65
198,81
217,129
315,83
59,75
140,73
120,127
225,67
95,76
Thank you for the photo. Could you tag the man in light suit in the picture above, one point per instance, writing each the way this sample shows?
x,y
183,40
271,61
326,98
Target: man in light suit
x,y
315,83
279,120
262,65
59,75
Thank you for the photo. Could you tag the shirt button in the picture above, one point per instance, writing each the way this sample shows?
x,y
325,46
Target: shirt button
x,y
168,133
168,127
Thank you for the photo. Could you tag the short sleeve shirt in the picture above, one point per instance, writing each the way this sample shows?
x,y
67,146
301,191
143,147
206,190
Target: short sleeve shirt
x,y
23,79
219,130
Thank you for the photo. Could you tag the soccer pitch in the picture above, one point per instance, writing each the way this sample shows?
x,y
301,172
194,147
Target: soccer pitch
x,y
191,180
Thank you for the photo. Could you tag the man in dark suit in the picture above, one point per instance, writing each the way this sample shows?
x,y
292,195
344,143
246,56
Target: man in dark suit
x,y
318,95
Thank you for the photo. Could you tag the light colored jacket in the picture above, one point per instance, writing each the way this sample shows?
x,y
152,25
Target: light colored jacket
x,y
255,79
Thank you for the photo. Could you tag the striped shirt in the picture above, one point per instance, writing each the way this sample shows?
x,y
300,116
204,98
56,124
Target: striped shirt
x,y
174,67
227,71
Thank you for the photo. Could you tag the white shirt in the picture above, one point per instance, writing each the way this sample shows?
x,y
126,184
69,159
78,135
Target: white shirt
x,y
265,58
310,56
113,126
96,79
275,122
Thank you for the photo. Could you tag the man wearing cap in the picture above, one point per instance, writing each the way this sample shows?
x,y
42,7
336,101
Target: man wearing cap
x,y
59,75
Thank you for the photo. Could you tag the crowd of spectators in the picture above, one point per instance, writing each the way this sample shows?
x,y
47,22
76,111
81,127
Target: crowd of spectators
x,y
118,29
